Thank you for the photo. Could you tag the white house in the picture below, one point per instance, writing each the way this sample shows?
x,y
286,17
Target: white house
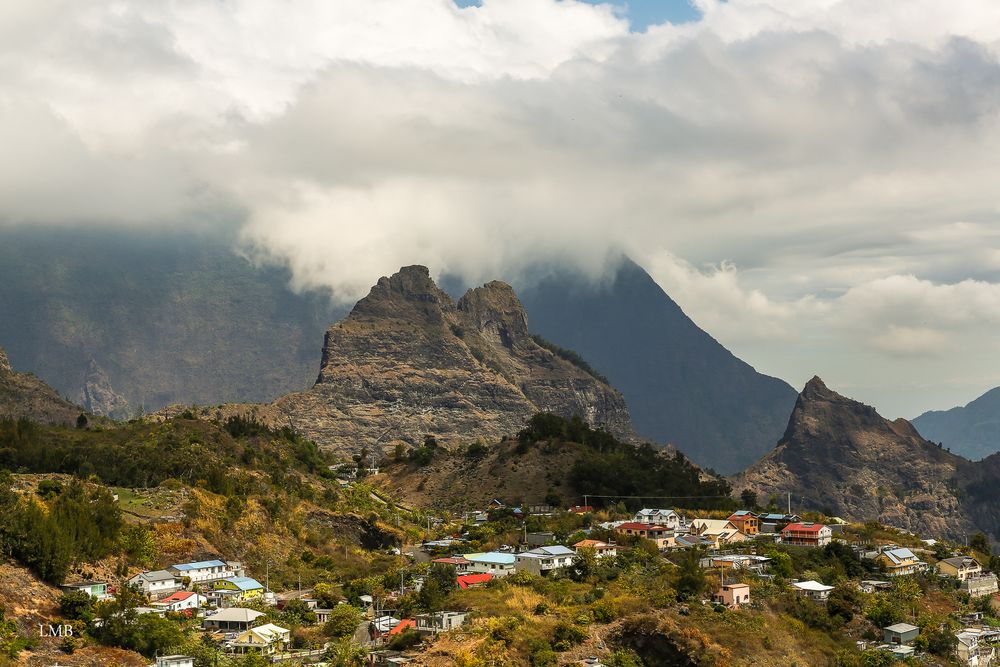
x,y
660,517
440,621
156,584
813,590
206,570
492,562
233,619
972,651
181,601
174,661
544,559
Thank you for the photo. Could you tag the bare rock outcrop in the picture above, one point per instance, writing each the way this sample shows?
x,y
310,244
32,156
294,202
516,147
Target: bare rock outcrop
x,y
97,396
408,361
22,395
841,457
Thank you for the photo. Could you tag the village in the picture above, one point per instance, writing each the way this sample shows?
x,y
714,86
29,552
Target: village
x,y
238,615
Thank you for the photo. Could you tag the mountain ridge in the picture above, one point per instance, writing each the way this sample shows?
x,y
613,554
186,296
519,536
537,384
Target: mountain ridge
x,y
972,430
682,386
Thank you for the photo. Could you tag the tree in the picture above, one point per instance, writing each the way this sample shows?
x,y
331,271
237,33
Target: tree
x,y
77,606
691,578
749,499
343,622
981,543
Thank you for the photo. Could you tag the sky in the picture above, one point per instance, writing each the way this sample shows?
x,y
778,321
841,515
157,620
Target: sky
x,y
814,182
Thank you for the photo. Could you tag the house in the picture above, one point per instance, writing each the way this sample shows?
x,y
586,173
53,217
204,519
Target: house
x,y
872,585
733,595
473,580
740,562
668,518
971,649
95,589
774,523
233,619
900,633
543,560
181,601
813,590
266,639
401,627
806,534
460,564
900,562
688,541
581,509
379,628
492,562
720,531
663,536
174,661
206,571
155,584
227,592
540,539
980,586
440,621
745,521
601,549
960,567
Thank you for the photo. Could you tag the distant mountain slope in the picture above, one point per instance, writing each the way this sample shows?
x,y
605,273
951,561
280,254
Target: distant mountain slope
x,y
841,457
681,385
972,431
24,395
165,317
408,361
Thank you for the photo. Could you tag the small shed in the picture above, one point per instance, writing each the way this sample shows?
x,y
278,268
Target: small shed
x,y
900,633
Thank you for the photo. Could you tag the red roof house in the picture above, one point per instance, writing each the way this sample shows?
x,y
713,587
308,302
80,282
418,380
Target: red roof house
x,y
473,580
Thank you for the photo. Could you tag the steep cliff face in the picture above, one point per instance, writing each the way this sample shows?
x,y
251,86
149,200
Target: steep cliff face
x,y
842,457
98,397
408,361
24,395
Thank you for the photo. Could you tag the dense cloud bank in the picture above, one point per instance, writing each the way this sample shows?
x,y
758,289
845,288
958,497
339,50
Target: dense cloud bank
x,y
815,185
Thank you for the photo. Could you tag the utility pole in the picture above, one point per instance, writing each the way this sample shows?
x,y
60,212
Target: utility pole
x,y
267,575
789,502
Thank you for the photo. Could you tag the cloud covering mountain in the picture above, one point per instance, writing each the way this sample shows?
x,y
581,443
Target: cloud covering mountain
x,y
814,185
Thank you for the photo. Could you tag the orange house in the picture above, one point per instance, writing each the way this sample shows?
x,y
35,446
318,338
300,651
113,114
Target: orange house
x,y
746,521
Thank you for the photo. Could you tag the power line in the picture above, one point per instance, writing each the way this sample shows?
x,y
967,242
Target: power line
x,y
592,495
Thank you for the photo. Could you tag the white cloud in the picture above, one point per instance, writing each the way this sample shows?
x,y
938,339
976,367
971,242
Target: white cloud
x,y
829,165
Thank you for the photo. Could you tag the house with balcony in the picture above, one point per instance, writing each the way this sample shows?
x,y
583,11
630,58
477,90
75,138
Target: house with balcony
x,y
233,619
440,621
806,534
601,549
667,518
664,537
960,567
206,571
543,560
264,640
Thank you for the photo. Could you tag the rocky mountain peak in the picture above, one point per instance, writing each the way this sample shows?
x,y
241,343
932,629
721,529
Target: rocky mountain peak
x,y
840,456
408,294
4,364
496,312
407,361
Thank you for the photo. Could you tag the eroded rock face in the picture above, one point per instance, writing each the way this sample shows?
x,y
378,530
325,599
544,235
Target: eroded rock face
x,y
23,395
408,361
97,395
840,456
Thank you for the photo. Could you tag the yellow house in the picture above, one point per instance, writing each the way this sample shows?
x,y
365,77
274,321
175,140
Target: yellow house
x,y
900,562
238,589
264,640
960,567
